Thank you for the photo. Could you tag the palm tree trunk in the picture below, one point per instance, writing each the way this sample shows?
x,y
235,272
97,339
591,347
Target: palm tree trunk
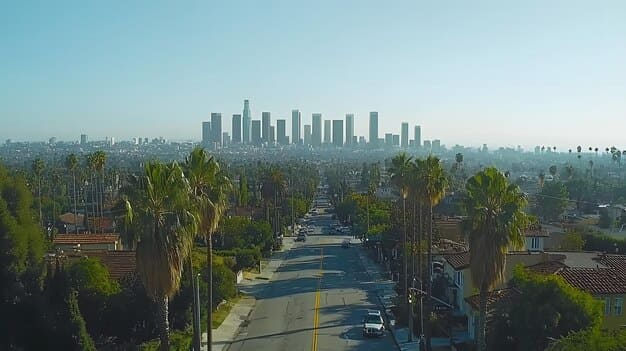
x,y
163,323
39,195
93,204
74,192
209,318
406,272
102,187
196,309
482,321
429,268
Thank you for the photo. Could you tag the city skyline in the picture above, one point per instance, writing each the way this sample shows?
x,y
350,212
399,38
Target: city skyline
x,y
530,73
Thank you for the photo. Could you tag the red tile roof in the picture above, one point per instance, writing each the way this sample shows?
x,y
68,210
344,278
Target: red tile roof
x,y
536,230
548,267
458,260
68,218
596,281
119,263
85,239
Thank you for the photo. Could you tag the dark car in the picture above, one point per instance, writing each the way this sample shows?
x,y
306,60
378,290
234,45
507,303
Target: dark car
x,y
345,244
301,237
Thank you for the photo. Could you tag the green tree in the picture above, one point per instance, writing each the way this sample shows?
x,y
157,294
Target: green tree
x,y
552,200
545,308
590,340
496,221
38,167
164,228
572,241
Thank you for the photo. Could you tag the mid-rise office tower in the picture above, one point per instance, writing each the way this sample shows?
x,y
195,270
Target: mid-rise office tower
x,y
216,129
281,132
84,139
265,126
373,128
272,135
206,133
316,130
349,128
418,137
388,139
338,132
327,136
247,119
236,127
255,132
307,134
296,121
404,135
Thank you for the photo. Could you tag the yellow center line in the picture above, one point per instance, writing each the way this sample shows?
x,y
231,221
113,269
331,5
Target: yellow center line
x,y
316,318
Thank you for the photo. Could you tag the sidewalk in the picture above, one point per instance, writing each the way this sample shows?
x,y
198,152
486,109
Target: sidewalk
x,y
386,295
227,331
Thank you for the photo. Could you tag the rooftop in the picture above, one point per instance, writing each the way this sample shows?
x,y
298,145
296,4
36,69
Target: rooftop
x,y
86,239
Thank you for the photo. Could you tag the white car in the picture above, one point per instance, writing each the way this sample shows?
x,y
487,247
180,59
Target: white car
x,y
373,324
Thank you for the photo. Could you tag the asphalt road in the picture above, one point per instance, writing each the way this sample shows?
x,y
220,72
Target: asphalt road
x,y
315,301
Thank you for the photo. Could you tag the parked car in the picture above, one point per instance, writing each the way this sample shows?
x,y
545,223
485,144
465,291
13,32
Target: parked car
x,y
373,324
301,237
345,244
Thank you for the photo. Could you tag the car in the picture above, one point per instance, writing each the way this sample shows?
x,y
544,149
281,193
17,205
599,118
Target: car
x,y
301,237
373,324
345,244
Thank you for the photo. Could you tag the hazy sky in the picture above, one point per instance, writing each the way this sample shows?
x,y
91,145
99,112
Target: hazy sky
x,y
470,72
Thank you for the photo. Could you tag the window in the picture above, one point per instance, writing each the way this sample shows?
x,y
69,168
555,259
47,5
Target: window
x,y
607,306
534,243
458,278
618,306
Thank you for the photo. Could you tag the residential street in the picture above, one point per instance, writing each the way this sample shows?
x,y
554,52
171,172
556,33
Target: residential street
x,y
315,300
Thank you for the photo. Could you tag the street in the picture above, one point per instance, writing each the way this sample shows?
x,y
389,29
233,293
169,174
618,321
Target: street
x,y
315,301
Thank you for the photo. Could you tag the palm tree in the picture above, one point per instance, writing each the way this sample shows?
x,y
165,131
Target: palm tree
x,y
209,188
92,165
71,163
496,218
400,171
273,187
163,227
37,168
434,183
100,161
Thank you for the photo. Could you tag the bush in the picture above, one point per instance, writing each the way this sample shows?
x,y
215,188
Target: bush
x,y
223,283
245,258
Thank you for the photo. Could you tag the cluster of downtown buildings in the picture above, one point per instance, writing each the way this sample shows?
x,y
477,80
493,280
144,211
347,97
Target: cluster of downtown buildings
x,y
337,133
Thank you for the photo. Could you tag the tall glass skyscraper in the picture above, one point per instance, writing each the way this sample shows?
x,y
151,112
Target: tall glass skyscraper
x,y
206,133
404,135
316,129
296,122
338,132
216,129
256,132
247,119
373,128
327,131
265,126
418,137
281,132
236,127
349,128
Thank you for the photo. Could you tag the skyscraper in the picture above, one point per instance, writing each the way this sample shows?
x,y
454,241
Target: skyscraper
x,y
84,139
418,137
327,135
388,139
272,135
216,129
349,128
374,128
338,132
316,130
246,122
236,126
307,134
404,135
281,136
256,132
265,126
206,133
296,121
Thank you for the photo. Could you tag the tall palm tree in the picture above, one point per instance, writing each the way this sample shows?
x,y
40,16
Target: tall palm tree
x,y
37,167
100,161
92,166
209,189
434,185
400,177
71,163
272,188
496,218
163,227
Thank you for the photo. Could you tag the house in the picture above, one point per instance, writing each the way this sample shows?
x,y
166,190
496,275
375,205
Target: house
x,y
69,222
495,298
450,228
120,264
601,275
534,237
87,242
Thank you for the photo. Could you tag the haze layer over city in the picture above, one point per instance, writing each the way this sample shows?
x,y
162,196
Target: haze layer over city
x,y
329,175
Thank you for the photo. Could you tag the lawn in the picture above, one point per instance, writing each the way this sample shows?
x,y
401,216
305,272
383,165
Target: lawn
x,y
222,313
